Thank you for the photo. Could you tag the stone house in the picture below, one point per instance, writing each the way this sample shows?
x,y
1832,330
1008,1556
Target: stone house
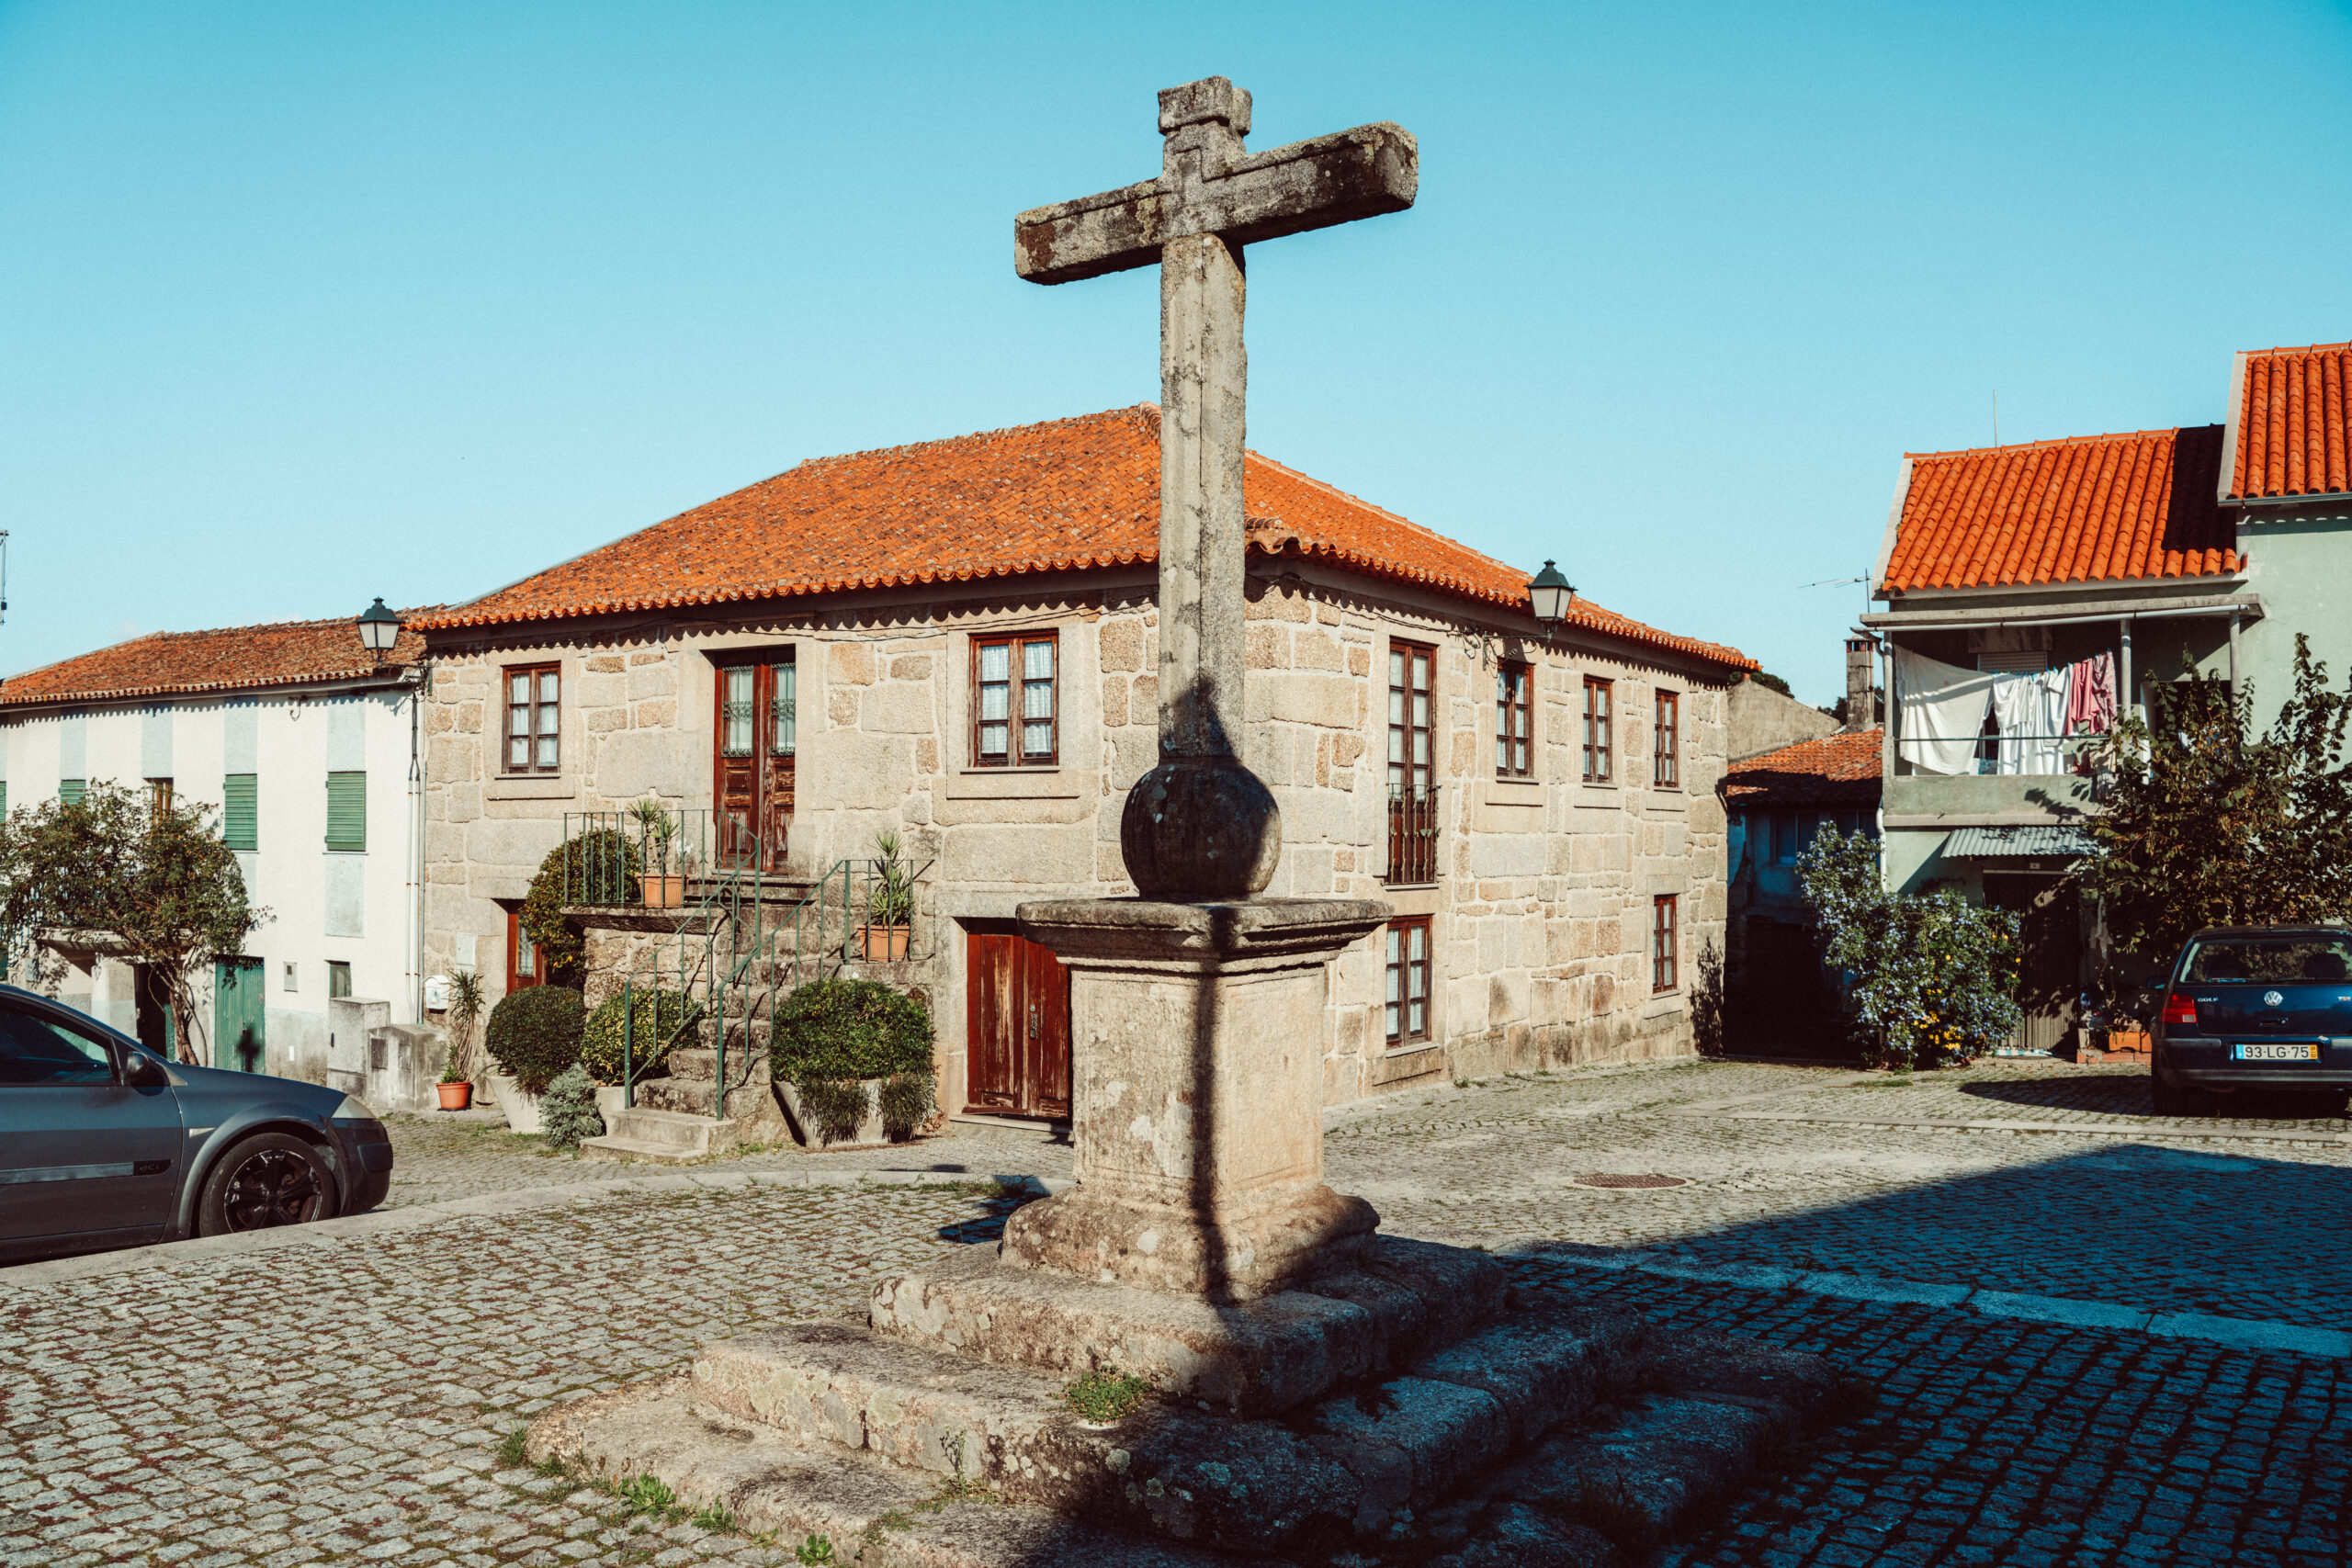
x,y
2121,560
305,745
957,640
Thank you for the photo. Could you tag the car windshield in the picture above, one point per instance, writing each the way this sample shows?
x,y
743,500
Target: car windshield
x,y
2269,960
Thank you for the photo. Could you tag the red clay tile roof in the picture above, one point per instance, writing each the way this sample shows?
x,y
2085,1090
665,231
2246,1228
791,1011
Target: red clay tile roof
x,y
2091,509
2291,420
233,658
1829,770
1066,495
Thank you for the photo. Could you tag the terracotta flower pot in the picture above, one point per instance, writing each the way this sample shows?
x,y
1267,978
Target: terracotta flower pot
x,y
456,1095
665,892
884,944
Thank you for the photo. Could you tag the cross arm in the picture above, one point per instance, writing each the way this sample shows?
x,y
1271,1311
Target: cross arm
x,y
1308,184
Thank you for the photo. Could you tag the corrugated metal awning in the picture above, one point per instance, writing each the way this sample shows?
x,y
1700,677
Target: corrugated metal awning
x,y
2004,843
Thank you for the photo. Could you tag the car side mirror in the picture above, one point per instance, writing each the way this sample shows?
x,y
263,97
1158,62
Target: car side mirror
x,y
142,1071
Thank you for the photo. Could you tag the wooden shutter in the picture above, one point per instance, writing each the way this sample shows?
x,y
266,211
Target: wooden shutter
x,y
70,791
347,812
240,819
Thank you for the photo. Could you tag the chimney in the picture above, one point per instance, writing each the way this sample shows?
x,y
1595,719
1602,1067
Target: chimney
x,y
1861,690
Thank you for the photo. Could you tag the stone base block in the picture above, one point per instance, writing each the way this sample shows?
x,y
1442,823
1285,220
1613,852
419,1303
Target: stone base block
x,y
1394,1300
1237,1255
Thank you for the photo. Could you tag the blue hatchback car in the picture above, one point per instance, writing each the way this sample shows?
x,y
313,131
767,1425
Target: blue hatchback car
x,y
103,1143
2264,1008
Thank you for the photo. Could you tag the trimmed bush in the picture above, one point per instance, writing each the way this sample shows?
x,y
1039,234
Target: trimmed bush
x,y
594,868
830,1035
568,1115
534,1034
832,1030
660,1015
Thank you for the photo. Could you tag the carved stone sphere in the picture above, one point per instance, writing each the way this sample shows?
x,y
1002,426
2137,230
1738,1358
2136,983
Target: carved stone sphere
x,y
1201,828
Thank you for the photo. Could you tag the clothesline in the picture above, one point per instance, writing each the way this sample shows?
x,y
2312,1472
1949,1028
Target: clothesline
x,y
1943,710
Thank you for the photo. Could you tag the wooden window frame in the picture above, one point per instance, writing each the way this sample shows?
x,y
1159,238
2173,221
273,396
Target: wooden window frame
x,y
1402,766
159,797
534,706
1017,720
338,970
1599,726
1398,967
1514,699
1666,739
1665,945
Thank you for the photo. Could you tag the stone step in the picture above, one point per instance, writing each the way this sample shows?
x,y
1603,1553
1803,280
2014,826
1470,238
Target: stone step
x,y
871,1512
698,1136
622,1151
700,1064
1545,1437
698,1098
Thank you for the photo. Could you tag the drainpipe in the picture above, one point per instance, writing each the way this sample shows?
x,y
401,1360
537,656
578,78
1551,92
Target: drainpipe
x,y
416,831
2131,693
2233,657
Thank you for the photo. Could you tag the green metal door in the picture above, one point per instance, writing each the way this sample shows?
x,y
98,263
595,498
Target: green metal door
x,y
237,1013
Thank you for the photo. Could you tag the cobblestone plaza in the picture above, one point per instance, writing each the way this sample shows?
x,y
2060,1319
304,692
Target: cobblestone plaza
x,y
2093,1336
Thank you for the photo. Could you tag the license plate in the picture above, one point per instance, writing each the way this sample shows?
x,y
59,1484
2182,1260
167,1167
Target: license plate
x,y
2275,1051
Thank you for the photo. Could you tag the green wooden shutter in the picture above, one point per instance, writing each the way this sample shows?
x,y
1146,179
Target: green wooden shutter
x,y
347,812
4,798
71,791
240,818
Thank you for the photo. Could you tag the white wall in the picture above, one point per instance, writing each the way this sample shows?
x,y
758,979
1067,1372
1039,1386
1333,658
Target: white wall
x,y
290,741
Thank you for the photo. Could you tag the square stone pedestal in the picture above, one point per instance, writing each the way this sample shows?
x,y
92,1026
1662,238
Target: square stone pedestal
x,y
1196,1068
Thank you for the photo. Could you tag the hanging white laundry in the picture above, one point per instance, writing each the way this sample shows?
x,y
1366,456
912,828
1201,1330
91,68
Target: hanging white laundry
x,y
2031,713
1941,709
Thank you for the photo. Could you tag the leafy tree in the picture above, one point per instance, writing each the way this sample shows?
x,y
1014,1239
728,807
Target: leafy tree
x,y
155,879
1932,975
2209,822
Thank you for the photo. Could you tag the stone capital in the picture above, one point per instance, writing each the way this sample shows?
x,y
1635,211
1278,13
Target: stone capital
x,y
1241,934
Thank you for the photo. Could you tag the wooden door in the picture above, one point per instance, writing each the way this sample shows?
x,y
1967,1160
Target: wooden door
x,y
1017,1026
751,774
2049,965
238,1011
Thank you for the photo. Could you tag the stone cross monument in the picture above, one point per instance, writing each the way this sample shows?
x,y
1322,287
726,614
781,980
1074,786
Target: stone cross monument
x,y
1201,825
1197,1008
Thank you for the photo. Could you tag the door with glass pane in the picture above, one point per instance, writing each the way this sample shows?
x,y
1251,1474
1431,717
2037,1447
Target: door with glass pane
x,y
752,773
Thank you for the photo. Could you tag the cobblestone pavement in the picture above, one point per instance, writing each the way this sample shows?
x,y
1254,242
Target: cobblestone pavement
x,y
343,1401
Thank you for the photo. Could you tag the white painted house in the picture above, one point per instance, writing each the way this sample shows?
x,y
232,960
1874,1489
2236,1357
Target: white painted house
x,y
306,745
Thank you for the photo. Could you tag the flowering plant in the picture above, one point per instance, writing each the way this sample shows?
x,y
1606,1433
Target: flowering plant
x,y
1930,975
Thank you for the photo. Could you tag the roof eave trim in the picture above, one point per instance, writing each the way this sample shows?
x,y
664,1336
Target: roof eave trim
x,y
1894,526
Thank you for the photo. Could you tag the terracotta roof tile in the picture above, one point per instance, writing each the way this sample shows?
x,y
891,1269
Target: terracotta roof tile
x,y
2090,509
2291,419
1071,494
231,658
1829,770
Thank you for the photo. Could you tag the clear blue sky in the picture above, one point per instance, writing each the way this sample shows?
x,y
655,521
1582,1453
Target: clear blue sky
x,y
304,303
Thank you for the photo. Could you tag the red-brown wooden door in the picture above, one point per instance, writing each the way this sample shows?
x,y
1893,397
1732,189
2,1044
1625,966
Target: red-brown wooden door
x,y
751,772
1017,1034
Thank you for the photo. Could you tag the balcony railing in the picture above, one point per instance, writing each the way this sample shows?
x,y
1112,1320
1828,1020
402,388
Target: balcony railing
x,y
1412,834
640,858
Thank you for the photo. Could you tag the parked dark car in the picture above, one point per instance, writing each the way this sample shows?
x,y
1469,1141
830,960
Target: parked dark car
x,y
2254,1007
103,1143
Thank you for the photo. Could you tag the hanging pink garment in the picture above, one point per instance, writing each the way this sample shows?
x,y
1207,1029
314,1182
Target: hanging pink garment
x,y
2090,695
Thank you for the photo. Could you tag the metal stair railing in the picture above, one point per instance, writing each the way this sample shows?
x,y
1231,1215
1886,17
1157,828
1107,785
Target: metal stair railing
x,y
733,937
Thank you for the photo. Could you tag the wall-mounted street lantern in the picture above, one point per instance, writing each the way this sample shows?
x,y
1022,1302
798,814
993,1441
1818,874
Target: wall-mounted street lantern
x,y
378,629
1552,594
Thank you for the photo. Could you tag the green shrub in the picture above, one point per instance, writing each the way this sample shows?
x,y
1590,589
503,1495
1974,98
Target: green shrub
x,y
534,1034
568,1110
660,1015
905,1101
849,1028
834,1107
600,867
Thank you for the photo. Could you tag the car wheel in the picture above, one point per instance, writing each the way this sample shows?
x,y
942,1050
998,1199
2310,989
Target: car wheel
x,y
2167,1100
273,1179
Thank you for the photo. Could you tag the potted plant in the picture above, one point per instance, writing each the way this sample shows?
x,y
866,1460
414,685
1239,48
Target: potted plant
x,y
888,930
852,1062
465,1002
457,1091
534,1036
657,830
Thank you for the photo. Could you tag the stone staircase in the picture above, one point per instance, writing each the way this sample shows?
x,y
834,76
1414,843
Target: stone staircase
x,y
665,1138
